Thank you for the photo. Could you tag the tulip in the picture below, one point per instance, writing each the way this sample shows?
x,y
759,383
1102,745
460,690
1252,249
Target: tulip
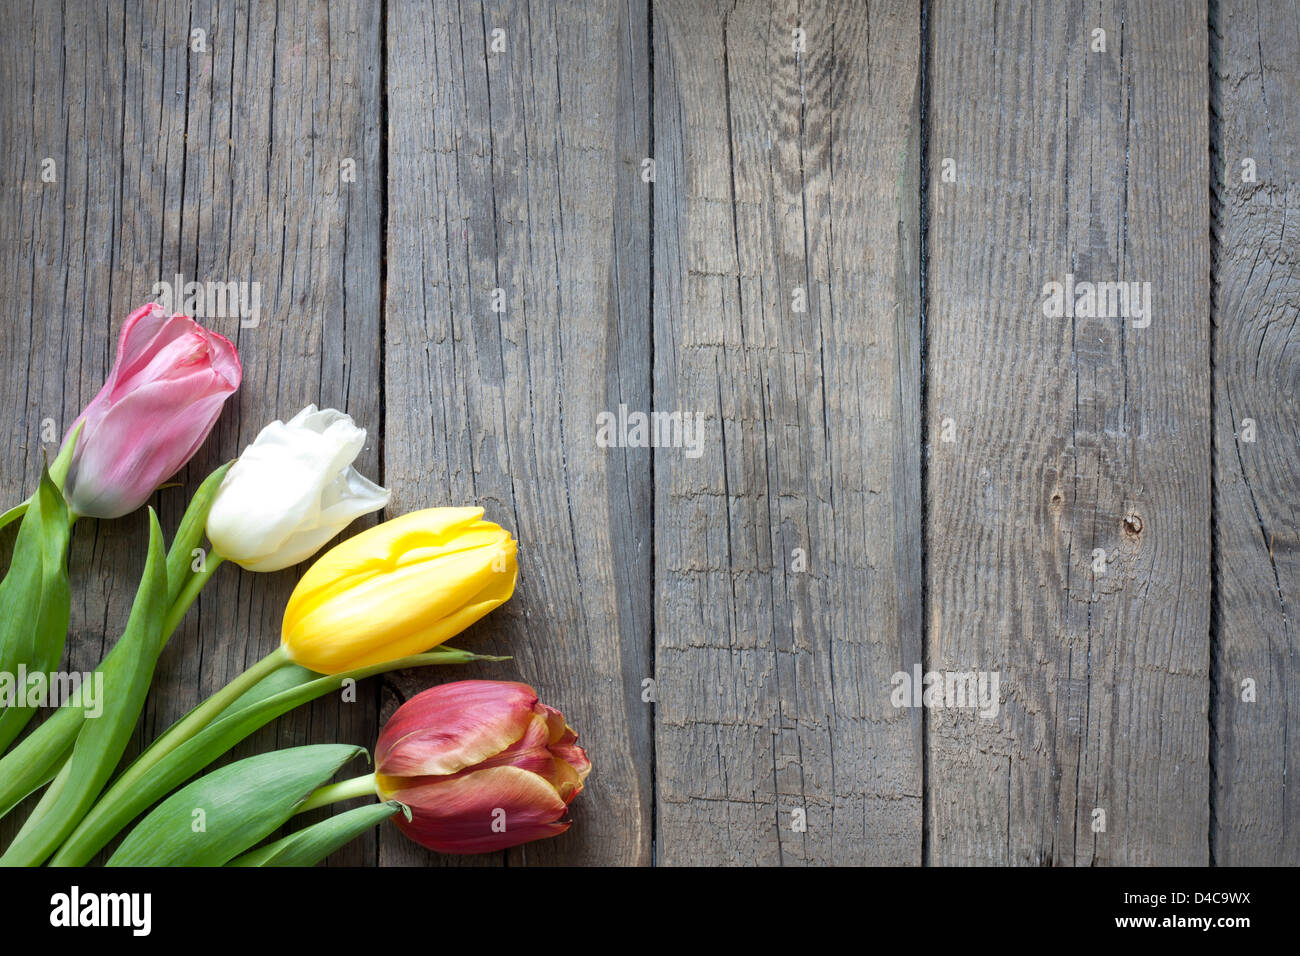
x,y
481,764
162,397
398,589
374,603
292,490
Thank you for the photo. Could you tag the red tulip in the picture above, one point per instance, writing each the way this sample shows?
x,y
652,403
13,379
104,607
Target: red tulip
x,y
161,399
483,765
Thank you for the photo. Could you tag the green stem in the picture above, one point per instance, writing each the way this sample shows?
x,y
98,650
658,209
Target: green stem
x,y
47,800
196,720
188,593
14,513
21,769
58,474
121,804
362,786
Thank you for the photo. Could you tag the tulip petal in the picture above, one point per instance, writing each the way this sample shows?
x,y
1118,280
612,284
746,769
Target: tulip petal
x,y
401,592
555,724
349,496
292,490
159,403
114,471
491,597
565,779
405,599
145,332
571,765
318,420
453,726
378,548
529,752
569,751
463,814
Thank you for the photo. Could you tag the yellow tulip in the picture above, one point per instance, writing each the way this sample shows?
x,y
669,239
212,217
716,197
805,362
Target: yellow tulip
x,y
398,589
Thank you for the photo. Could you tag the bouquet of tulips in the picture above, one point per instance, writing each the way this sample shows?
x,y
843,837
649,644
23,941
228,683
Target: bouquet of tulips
x,y
464,767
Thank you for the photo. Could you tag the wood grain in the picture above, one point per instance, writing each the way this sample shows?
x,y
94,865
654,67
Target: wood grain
x,y
1070,436
1256,77
518,169
781,171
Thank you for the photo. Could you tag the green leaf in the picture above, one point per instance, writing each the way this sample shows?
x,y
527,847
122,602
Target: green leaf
x,y
35,761
286,678
258,707
35,599
221,815
48,799
14,513
63,460
58,474
312,844
101,741
39,755
180,558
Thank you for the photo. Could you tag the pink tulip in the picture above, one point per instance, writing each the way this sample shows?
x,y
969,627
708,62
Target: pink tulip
x,y
483,765
161,400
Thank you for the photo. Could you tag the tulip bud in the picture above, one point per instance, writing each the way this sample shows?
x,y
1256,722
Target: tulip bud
x,y
162,397
483,765
398,589
292,490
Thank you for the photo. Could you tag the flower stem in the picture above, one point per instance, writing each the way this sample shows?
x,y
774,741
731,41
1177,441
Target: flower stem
x,y
362,786
47,800
58,474
123,803
188,593
195,721
49,747
14,513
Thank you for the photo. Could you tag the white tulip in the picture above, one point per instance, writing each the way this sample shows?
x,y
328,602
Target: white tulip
x,y
292,490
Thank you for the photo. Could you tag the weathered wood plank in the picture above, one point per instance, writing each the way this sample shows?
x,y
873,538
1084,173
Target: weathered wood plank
x,y
221,164
786,314
513,164
1070,436
1257,378
67,286
61,120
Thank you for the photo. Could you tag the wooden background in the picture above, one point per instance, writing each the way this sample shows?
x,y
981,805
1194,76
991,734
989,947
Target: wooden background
x,y
904,460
